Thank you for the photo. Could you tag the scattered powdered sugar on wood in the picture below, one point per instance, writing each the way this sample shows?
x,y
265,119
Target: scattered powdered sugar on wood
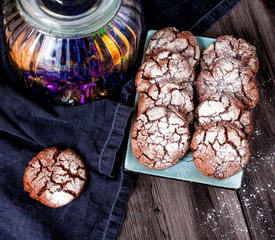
x,y
252,198
257,132
226,210
221,213
259,159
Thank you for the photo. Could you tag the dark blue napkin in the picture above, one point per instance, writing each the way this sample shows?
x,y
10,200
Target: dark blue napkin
x,y
193,15
96,131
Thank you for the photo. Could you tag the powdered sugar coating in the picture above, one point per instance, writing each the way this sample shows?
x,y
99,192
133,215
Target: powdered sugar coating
x,y
59,198
162,67
160,137
172,40
226,110
220,150
170,95
55,177
229,47
228,77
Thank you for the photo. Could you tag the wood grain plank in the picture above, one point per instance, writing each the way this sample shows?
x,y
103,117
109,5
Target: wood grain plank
x,y
253,21
170,209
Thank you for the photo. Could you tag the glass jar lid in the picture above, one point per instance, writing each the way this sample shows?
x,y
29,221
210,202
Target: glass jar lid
x,y
68,18
69,7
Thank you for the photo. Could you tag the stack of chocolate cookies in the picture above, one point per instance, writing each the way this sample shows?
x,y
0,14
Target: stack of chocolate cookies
x,y
160,135
227,92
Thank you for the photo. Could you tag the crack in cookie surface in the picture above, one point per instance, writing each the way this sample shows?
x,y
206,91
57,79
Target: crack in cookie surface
x,y
220,150
170,95
160,137
226,110
230,47
55,177
228,77
162,67
170,39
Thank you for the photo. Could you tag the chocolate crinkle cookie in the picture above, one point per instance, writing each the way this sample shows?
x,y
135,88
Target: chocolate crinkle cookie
x,y
220,150
228,77
171,39
230,47
226,110
164,66
170,95
55,177
160,137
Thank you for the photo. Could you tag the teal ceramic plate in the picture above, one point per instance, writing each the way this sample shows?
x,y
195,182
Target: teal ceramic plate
x,y
185,169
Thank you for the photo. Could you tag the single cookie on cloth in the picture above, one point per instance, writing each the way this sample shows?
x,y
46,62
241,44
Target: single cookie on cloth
x,y
228,77
220,150
230,47
170,95
55,177
174,41
164,66
226,110
160,137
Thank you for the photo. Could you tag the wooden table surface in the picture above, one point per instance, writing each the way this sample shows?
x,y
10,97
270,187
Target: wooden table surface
x,y
170,209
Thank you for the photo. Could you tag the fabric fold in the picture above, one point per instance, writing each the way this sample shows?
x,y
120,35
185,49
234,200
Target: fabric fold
x,y
114,140
96,130
193,15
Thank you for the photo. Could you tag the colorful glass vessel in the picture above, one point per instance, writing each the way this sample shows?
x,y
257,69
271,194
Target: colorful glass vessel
x,y
71,51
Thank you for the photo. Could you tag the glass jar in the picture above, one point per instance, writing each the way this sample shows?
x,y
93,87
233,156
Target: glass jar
x,y
71,51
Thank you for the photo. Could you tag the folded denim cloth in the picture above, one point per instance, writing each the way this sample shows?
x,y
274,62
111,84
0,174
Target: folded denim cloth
x,y
193,15
95,130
